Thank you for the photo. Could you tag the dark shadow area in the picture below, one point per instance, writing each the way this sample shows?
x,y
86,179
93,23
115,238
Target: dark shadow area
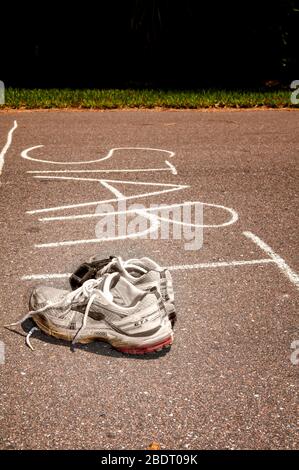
x,y
97,347
152,44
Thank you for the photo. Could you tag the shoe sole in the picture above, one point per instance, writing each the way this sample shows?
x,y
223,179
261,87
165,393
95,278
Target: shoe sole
x,y
134,350
148,349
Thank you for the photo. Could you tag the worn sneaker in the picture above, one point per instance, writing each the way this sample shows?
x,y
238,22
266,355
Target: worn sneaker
x,y
145,274
107,309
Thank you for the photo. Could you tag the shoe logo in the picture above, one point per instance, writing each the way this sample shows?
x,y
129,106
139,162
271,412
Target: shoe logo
x,y
140,322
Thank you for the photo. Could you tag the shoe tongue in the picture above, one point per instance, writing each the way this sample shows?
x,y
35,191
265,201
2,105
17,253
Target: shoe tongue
x,y
124,293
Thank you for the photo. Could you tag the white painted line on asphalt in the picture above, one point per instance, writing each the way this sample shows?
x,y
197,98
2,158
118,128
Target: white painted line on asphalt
x,y
146,183
219,264
274,258
7,145
99,214
151,229
144,213
36,277
180,267
232,220
95,203
172,167
129,170
278,260
100,180
119,195
25,154
153,218
114,191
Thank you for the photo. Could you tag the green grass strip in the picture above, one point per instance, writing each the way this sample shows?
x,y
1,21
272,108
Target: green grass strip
x,y
21,98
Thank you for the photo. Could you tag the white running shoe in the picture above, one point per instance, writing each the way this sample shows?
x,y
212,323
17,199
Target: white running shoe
x,y
108,309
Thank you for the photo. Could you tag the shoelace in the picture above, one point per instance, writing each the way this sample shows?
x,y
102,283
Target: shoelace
x,y
124,265
77,296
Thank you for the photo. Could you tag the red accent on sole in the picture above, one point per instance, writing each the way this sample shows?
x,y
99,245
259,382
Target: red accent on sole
x,y
147,349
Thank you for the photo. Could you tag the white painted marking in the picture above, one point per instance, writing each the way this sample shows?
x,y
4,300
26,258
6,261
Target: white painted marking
x,y
95,203
36,277
7,145
144,213
132,170
153,218
137,183
278,260
67,178
119,195
274,258
114,191
219,264
172,167
25,154
151,229
233,219
129,211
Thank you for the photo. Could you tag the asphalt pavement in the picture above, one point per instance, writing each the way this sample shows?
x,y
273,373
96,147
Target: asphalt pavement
x,y
230,380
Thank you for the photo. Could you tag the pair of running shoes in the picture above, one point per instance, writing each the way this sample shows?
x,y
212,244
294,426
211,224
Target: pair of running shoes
x,y
129,304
